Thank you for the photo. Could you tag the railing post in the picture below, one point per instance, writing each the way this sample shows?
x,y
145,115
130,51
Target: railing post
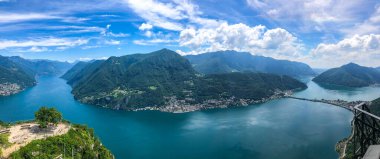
x,y
355,132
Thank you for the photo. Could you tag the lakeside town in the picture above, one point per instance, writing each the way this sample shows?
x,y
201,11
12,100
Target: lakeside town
x,y
175,105
7,89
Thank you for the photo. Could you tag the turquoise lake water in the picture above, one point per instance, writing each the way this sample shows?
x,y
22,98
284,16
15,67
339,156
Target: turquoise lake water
x,y
283,128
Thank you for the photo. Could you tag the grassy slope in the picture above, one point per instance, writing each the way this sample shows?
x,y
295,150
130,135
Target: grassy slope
x,y
79,138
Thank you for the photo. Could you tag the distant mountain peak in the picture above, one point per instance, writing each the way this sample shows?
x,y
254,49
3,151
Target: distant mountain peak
x,y
351,64
233,61
165,50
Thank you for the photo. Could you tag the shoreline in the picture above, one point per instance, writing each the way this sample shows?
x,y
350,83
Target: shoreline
x,y
342,145
180,106
9,89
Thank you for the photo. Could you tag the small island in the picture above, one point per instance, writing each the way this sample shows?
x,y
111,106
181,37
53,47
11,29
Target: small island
x,y
49,136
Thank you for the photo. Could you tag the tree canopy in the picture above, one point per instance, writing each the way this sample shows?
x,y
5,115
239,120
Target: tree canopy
x,y
46,116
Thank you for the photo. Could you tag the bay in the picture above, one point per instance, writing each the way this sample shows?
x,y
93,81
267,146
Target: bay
x,y
282,128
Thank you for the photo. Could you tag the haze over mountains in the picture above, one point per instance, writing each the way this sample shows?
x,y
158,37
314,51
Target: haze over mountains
x,y
165,80
232,61
351,75
42,67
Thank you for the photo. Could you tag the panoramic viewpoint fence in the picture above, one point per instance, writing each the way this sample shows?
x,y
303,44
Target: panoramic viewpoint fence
x,y
366,129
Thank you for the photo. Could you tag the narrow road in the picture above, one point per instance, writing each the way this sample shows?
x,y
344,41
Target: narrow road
x,y
340,103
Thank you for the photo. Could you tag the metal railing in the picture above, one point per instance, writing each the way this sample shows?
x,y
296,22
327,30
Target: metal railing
x,y
366,129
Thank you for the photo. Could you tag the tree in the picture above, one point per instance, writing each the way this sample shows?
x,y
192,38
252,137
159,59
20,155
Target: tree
x,y
46,116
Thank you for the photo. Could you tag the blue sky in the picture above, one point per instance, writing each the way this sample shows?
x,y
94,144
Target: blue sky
x,y
322,33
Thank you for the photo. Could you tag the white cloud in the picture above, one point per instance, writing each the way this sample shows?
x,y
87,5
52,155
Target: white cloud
x,y
38,49
42,42
118,35
75,29
153,41
89,58
140,42
364,50
112,42
9,17
145,26
107,32
91,46
167,15
15,17
159,14
313,15
259,40
371,25
148,33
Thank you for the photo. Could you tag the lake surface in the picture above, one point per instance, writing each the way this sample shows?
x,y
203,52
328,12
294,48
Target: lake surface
x,y
283,128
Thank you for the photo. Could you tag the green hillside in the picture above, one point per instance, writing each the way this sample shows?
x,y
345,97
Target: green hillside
x,y
158,78
232,61
10,72
82,74
351,75
74,70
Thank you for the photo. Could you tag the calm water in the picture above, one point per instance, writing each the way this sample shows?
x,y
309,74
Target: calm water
x,y
284,128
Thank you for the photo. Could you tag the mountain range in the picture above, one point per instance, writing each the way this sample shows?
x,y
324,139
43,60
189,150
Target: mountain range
x,y
232,61
41,67
351,75
166,81
17,73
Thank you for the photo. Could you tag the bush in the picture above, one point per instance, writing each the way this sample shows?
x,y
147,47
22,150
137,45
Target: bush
x,y
45,116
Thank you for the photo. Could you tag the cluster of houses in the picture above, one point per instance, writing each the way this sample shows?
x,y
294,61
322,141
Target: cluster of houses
x,y
7,89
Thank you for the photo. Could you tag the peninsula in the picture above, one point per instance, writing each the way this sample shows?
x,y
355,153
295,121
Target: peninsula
x,y
165,81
